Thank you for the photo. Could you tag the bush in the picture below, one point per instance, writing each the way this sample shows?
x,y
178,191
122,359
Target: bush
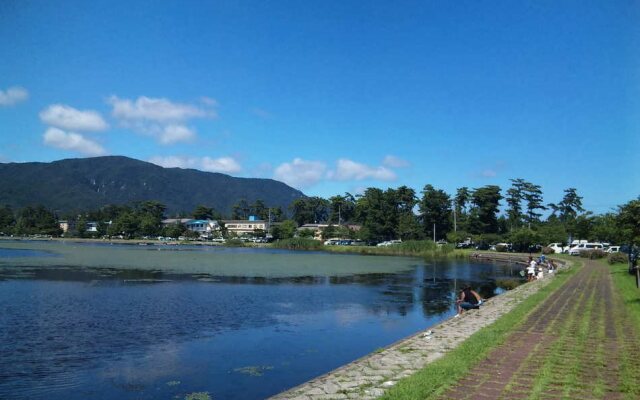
x,y
617,258
234,243
508,284
298,244
592,254
502,248
547,250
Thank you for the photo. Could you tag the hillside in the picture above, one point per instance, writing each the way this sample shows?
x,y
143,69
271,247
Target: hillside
x,y
89,183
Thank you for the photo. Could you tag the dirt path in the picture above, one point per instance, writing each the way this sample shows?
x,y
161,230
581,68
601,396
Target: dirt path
x,y
579,344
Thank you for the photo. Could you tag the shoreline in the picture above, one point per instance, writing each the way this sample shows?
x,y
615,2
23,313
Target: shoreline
x,y
370,376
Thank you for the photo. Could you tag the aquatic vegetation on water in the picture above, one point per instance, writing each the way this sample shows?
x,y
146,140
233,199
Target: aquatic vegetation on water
x,y
173,383
198,396
254,370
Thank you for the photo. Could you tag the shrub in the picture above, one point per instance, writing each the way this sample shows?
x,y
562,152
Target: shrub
x,y
617,258
508,284
547,250
592,254
298,244
234,243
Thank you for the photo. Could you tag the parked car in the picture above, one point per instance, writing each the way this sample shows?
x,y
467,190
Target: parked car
x,y
502,247
576,250
557,248
613,249
389,243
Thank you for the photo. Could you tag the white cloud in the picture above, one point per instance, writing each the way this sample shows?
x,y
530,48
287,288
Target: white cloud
x,y
209,101
350,170
161,118
223,164
227,165
488,173
300,173
69,118
158,110
60,139
13,95
176,133
262,113
395,162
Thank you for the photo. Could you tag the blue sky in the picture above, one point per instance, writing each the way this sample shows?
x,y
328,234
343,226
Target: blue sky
x,y
334,96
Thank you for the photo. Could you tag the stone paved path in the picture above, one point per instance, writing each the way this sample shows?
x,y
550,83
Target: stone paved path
x,y
576,345
369,377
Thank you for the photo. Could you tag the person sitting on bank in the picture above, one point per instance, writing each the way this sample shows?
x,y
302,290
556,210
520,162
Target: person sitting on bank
x,y
468,299
531,269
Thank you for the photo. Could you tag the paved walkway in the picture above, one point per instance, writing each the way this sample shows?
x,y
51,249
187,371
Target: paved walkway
x,y
576,345
369,377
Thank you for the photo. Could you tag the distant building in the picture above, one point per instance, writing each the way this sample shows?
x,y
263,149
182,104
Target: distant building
x,y
204,227
67,226
92,226
318,228
244,227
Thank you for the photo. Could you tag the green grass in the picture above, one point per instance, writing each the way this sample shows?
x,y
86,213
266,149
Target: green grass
x,y
625,285
435,378
409,248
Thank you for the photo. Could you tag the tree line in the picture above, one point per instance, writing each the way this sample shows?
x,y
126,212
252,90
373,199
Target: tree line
x,y
394,213
401,213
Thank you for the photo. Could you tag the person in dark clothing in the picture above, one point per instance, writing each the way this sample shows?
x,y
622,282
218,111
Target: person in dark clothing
x,y
468,299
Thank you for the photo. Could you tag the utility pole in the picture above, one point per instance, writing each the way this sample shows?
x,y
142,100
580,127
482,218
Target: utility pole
x,y
455,222
434,232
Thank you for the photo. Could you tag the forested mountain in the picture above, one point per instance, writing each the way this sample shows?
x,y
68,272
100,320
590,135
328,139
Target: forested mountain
x,y
90,183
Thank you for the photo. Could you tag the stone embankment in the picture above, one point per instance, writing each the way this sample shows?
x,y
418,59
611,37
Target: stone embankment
x,y
370,376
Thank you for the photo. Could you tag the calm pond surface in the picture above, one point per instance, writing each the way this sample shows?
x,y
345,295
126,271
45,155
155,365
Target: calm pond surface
x,y
82,321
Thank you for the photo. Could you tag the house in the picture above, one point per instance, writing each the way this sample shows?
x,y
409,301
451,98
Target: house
x,y
67,226
204,227
318,228
245,227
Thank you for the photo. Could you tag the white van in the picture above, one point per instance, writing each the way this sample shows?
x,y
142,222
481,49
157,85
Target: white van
x,y
557,247
576,250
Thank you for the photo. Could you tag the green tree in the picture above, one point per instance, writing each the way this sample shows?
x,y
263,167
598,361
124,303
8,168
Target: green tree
x,y
301,213
174,230
570,206
241,210
310,210
629,221
260,210
514,196
341,208
203,212
81,226
377,213
284,230
37,220
522,239
435,209
486,201
532,195
461,202
7,219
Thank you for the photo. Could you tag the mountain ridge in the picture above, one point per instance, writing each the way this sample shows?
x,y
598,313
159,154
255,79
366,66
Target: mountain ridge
x,y
83,184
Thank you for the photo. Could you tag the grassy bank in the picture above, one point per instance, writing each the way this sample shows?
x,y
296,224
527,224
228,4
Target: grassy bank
x,y
410,248
434,379
625,285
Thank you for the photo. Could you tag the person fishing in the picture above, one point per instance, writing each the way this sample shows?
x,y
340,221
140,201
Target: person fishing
x,y
468,299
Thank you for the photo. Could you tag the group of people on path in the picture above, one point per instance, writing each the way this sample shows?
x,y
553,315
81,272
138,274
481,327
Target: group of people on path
x,y
535,268
469,299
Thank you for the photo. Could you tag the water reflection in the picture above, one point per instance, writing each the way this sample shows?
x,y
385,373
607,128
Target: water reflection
x,y
68,332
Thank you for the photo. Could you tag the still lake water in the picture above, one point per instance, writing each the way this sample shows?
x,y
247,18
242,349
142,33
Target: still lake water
x,y
99,321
